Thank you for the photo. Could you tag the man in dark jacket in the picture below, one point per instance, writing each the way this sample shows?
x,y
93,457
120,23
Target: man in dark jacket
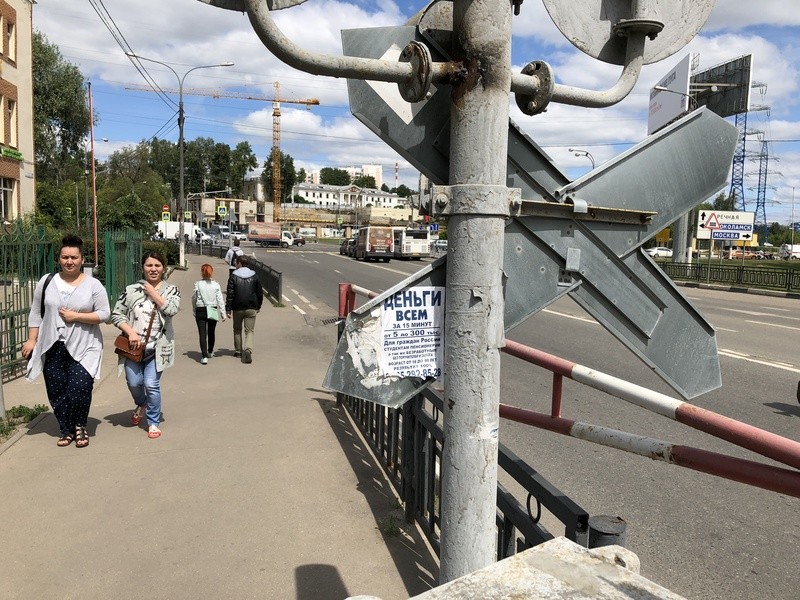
x,y
242,303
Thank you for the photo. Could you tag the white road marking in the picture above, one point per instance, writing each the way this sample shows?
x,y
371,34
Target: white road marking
x,y
754,313
285,297
724,329
298,309
577,318
303,298
773,325
775,365
337,271
312,307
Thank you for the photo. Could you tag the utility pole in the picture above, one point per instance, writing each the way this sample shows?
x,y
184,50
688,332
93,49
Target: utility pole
x,y
474,300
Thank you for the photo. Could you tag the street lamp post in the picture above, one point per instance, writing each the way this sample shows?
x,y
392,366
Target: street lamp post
x,y
585,153
181,199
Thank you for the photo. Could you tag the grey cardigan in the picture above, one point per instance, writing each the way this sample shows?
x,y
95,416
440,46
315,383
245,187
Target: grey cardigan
x,y
123,313
84,342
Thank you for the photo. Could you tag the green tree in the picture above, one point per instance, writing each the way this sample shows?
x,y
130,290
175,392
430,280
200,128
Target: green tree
x,y
403,191
197,164
365,181
243,160
60,111
385,188
219,167
165,161
330,176
723,202
288,177
302,176
55,205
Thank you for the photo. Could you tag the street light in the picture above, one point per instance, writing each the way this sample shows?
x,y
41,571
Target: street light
x,y
692,99
181,200
585,153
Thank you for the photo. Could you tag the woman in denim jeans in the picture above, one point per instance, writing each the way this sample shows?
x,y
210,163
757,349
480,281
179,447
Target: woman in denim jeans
x,y
132,314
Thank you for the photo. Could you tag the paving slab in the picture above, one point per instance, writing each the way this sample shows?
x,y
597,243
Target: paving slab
x,y
258,488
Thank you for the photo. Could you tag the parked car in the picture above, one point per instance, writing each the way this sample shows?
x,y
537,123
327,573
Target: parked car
x,y
351,247
439,245
238,235
299,240
347,247
659,252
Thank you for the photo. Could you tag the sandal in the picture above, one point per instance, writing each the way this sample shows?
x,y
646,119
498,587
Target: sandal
x,y
81,437
153,432
65,440
136,416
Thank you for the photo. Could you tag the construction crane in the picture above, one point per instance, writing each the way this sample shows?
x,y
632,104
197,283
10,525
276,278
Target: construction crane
x,y
276,125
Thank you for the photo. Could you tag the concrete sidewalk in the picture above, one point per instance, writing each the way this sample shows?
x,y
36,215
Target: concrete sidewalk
x,y
258,488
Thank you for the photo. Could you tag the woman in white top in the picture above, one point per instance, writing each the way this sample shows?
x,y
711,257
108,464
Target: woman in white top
x,y
65,344
209,307
150,297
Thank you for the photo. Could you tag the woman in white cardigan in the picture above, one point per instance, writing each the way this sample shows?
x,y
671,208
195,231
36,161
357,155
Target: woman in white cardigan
x,y
150,305
209,307
65,342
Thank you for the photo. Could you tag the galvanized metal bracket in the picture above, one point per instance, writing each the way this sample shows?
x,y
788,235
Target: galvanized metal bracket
x,y
580,210
536,102
418,87
469,199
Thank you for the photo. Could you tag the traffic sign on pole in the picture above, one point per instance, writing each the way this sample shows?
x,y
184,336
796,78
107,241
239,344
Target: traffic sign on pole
x,y
725,225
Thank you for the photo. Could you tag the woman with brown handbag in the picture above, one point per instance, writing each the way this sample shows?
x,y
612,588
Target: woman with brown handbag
x,y
144,313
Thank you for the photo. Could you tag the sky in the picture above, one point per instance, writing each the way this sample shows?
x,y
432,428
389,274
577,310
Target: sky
x,y
187,33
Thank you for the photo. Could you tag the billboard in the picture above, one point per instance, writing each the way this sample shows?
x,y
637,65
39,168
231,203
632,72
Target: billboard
x,y
725,88
672,100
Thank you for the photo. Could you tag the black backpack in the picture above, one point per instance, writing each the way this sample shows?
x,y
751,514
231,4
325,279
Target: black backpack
x,y
236,253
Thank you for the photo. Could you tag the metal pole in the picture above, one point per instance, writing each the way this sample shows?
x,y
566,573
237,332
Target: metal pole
x,y
94,181
474,299
181,199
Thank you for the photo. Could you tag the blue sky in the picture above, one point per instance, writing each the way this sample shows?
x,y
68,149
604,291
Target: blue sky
x,y
186,33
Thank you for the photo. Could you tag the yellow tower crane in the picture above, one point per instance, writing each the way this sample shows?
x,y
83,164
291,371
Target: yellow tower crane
x,y
276,125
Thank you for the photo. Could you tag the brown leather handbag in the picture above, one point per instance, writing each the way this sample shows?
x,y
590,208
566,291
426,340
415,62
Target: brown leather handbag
x,y
122,345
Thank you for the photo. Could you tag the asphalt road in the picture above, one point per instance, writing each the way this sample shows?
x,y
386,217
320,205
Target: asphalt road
x,y
700,536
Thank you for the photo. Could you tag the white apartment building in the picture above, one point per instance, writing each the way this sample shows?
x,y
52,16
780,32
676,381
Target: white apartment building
x,y
17,175
346,196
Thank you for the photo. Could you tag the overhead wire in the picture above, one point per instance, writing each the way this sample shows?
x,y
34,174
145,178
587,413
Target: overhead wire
x,y
119,38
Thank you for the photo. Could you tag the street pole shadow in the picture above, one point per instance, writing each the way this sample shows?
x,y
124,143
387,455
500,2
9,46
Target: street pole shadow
x,y
416,563
316,582
783,409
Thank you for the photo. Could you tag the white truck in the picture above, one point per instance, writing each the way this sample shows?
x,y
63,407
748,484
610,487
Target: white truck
x,y
789,251
170,230
269,234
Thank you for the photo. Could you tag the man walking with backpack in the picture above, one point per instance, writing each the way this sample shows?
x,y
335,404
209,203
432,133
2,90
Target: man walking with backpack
x,y
242,303
231,255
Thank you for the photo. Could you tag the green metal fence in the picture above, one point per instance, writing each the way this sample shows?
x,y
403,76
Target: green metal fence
x,y
123,254
25,256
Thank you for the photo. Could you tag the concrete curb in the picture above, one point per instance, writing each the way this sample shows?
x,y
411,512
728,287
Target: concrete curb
x,y
23,431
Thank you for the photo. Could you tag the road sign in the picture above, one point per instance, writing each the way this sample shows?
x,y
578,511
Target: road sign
x,y
222,211
597,263
165,208
187,215
165,216
434,227
727,225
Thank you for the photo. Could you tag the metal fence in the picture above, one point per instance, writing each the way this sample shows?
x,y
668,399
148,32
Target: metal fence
x,y
123,254
270,279
26,254
787,280
408,443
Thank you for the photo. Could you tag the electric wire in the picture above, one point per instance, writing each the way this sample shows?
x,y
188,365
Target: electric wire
x,y
119,38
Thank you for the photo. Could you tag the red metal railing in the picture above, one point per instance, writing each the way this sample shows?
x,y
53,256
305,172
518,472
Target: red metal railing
x,y
765,443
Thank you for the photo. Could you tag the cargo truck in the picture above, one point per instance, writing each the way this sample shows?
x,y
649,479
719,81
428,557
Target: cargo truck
x,y
269,234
